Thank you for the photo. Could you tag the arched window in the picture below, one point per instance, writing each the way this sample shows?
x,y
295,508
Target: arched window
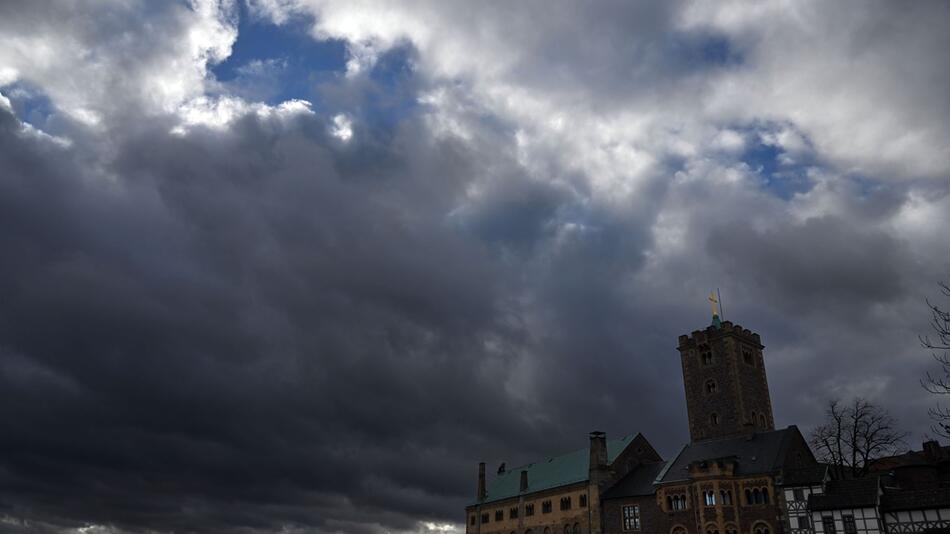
x,y
705,355
714,419
757,496
547,530
577,528
761,528
669,502
567,529
762,419
748,496
726,497
765,495
712,529
753,417
710,386
730,529
529,531
678,529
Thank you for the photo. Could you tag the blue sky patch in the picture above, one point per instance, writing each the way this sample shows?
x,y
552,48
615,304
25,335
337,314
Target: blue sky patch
x,y
779,172
276,63
29,104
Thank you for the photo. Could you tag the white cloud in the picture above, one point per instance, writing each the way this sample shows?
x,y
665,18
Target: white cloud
x,y
342,127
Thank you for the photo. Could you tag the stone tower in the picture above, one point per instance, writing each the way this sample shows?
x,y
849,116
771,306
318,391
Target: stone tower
x,y
727,393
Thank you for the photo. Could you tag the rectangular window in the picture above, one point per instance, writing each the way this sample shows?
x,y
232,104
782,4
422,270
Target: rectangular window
x,y
849,526
804,522
529,510
473,519
828,524
583,499
546,507
799,494
631,517
513,513
484,518
499,515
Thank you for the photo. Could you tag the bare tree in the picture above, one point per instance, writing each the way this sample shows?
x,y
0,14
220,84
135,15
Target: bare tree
x,y
940,349
853,435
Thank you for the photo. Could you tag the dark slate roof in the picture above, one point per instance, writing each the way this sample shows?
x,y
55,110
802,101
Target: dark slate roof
x,y
762,452
916,500
553,472
806,476
639,481
851,493
908,459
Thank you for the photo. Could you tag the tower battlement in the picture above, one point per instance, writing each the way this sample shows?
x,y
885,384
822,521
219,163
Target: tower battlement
x,y
698,337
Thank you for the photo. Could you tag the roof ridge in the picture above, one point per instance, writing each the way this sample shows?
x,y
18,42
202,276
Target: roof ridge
x,y
587,448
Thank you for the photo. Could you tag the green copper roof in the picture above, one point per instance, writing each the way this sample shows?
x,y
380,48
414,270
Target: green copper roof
x,y
563,470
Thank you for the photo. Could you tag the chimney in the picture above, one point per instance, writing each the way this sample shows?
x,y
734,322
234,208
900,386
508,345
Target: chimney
x,y
932,451
524,481
481,482
598,451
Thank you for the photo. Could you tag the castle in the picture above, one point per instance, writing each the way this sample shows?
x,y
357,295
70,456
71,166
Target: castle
x,y
736,475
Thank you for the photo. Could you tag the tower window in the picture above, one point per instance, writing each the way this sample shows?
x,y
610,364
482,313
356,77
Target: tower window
x,y
714,419
711,386
747,358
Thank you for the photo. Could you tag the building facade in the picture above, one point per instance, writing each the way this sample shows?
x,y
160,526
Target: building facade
x,y
557,495
737,475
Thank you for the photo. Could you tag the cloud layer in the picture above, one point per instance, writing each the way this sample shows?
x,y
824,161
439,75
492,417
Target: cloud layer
x,y
475,240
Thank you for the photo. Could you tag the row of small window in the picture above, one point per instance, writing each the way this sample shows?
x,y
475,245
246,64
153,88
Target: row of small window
x,y
758,528
568,529
828,523
706,356
676,502
714,419
546,508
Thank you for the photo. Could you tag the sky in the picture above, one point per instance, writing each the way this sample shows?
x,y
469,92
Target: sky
x,y
299,265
